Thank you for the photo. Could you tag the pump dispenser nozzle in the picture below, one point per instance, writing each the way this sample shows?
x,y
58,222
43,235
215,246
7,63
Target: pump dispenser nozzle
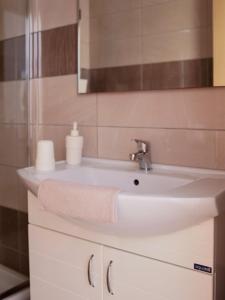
x,y
74,131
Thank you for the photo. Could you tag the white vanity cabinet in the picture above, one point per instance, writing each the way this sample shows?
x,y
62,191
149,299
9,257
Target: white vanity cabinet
x,y
135,277
168,243
65,268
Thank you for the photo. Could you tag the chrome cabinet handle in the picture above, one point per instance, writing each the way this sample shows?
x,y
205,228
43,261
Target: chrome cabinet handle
x,y
89,271
108,278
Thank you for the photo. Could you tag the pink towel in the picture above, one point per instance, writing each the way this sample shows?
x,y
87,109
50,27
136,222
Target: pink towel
x,y
84,202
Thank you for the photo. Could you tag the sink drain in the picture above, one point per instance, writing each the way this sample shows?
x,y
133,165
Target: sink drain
x,y
136,182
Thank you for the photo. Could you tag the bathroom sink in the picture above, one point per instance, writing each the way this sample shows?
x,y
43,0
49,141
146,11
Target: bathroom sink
x,y
164,200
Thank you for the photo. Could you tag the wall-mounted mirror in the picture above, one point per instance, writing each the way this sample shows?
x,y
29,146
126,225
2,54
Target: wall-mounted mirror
x,y
132,45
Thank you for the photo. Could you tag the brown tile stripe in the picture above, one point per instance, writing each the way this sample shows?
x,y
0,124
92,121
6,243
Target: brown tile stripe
x,y
127,78
158,76
54,52
13,59
178,74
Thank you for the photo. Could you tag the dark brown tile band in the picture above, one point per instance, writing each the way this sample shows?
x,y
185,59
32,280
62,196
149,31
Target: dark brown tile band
x,y
13,59
54,52
14,239
115,79
164,75
178,74
198,73
158,76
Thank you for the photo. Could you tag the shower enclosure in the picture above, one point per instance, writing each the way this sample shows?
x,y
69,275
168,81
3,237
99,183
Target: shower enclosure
x,y
13,146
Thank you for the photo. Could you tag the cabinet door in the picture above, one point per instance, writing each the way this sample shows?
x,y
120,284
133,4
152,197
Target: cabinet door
x,y
63,267
135,277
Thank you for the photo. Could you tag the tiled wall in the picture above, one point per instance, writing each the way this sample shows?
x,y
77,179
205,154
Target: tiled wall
x,y
126,32
145,45
185,127
13,134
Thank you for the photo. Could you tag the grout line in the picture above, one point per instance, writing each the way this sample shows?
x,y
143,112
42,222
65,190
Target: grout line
x,y
134,127
164,128
13,124
63,125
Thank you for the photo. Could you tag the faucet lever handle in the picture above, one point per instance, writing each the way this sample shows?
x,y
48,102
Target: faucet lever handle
x,y
142,145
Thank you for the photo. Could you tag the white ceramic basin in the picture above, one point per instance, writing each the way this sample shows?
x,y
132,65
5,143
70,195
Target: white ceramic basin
x,y
166,199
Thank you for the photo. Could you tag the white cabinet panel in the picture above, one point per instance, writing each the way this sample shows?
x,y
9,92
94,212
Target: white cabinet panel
x,y
62,261
41,290
135,277
183,248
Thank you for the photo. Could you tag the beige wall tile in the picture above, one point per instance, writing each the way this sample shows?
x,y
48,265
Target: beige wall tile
x,y
58,102
53,13
12,18
141,109
174,16
33,100
189,108
21,147
90,141
207,4
178,45
205,108
33,138
13,150
121,25
98,7
168,146
8,149
13,102
112,53
8,103
21,96
58,135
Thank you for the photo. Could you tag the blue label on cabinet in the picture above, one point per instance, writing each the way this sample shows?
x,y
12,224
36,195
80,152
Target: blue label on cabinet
x,y
202,268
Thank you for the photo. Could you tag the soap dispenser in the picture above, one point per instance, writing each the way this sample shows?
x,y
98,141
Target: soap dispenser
x,y
74,146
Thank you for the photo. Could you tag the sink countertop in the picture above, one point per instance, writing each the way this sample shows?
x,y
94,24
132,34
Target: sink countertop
x,y
167,198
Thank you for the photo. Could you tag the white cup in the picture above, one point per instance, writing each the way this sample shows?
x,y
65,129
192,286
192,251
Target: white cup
x,y
45,160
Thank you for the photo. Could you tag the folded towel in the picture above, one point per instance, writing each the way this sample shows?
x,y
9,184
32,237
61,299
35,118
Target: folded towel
x,y
84,202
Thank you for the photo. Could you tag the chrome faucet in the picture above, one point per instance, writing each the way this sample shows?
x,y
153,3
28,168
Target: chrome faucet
x,y
143,155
